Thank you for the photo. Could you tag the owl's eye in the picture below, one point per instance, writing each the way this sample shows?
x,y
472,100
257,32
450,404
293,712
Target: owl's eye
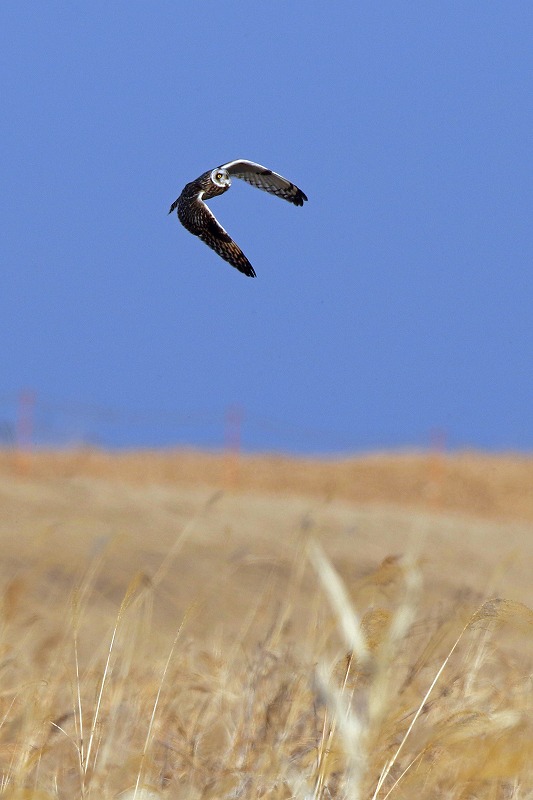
x,y
219,175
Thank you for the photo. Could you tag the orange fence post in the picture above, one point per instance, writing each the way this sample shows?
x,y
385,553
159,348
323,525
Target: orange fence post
x,y
232,445
24,430
436,467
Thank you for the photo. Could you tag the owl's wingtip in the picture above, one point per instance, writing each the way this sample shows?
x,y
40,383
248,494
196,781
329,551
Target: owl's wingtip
x,y
247,270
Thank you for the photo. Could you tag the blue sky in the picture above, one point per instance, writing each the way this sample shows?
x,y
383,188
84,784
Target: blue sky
x,y
395,303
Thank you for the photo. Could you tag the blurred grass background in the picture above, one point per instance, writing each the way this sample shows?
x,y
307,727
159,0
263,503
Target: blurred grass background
x,y
165,631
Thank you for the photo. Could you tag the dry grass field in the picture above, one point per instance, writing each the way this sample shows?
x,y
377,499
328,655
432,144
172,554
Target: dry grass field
x,y
188,625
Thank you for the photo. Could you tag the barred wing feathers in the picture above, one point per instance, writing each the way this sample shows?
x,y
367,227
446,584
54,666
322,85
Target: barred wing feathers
x,y
266,180
209,230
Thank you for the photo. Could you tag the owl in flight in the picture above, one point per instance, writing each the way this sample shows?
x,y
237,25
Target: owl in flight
x,y
198,219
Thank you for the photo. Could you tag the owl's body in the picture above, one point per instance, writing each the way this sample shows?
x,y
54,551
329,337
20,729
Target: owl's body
x,y
199,220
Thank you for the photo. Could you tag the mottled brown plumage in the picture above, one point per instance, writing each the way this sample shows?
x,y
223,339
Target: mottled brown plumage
x,y
199,220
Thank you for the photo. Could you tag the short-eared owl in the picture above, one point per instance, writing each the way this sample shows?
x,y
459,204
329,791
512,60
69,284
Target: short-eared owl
x,y
198,219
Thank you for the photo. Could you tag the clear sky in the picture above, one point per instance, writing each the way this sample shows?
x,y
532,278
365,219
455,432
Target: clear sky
x,y
395,303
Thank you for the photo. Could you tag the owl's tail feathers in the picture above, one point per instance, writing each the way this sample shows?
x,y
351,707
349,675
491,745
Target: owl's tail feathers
x,y
173,206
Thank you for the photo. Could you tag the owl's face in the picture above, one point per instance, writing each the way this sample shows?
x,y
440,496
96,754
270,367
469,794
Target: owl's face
x,y
221,178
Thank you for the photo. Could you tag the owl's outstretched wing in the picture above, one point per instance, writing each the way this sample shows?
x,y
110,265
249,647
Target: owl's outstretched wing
x,y
265,179
201,221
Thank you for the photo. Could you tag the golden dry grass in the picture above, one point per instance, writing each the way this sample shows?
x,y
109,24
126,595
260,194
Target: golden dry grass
x,y
208,629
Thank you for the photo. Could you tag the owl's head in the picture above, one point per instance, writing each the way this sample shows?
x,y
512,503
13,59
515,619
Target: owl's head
x,y
221,178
